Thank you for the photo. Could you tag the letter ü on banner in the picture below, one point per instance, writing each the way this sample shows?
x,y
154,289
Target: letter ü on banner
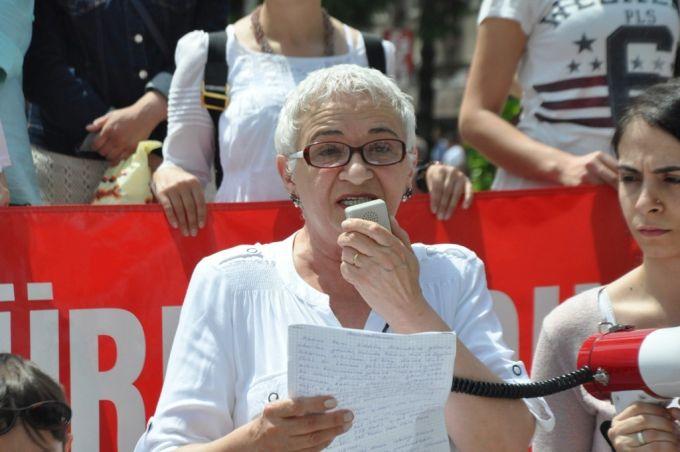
x,y
92,294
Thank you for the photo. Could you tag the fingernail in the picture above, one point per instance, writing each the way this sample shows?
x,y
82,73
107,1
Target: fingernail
x,y
440,217
348,417
330,403
346,426
194,232
201,224
173,224
432,209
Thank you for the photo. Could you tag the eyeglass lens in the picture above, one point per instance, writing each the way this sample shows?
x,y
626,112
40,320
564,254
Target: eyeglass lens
x,y
48,415
331,154
7,418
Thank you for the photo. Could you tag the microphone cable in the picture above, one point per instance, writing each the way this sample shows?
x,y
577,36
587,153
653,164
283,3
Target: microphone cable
x,y
529,390
523,390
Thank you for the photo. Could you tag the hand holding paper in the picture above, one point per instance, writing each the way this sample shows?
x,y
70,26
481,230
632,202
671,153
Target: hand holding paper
x,y
396,385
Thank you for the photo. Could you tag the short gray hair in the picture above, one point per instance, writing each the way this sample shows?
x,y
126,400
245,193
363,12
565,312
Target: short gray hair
x,y
336,82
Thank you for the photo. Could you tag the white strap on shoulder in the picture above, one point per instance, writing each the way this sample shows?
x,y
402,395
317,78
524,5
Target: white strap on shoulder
x,y
604,304
352,43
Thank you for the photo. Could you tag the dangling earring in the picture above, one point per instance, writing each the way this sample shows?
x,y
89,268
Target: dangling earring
x,y
296,201
407,195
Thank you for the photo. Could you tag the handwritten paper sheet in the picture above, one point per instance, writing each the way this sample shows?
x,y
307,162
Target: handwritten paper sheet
x,y
396,385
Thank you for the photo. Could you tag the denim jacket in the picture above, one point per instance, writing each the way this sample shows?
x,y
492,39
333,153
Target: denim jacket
x,y
90,56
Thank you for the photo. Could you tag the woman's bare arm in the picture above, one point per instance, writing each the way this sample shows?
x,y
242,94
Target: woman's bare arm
x,y
500,46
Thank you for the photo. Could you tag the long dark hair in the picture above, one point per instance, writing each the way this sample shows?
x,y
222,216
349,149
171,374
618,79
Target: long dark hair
x,y
658,106
22,384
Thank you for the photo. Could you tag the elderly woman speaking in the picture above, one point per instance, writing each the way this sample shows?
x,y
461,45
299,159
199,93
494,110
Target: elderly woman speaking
x,y
345,135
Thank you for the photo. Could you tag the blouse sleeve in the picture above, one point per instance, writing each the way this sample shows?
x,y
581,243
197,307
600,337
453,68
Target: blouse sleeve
x,y
190,140
526,12
197,398
479,329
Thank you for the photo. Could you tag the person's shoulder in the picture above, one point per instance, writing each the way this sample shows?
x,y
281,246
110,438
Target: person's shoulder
x,y
347,36
341,28
447,251
242,268
192,48
563,332
242,32
525,12
194,39
244,24
357,37
445,259
575,317
239,256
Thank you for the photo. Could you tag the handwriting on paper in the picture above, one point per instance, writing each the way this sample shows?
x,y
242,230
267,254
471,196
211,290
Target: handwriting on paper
x,y
396,385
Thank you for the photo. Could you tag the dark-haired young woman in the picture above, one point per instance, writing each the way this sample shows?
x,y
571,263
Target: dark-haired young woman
x,y
34,415
647,142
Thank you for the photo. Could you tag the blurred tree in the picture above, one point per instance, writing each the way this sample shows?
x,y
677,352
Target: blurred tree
x,y
236,10
439,19
357,13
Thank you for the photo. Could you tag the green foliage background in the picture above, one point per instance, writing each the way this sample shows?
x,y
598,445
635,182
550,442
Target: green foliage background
x,y
481,170
357,13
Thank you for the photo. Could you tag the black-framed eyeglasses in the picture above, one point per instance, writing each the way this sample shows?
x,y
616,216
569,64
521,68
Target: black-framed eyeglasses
x,y
46,415
333,154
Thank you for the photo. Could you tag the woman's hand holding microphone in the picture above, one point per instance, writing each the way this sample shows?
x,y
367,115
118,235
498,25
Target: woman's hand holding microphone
x,y
383,268
646,427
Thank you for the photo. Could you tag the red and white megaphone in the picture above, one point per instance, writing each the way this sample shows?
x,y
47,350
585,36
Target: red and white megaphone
x,y
633,365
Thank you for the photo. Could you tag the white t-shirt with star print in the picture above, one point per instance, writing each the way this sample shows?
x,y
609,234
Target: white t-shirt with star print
x,y
583,61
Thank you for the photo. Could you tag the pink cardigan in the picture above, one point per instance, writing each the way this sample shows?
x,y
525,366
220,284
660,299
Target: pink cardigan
x,y
578,415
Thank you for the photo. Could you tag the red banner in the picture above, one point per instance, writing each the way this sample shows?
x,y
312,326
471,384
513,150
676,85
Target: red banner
x,y
92,294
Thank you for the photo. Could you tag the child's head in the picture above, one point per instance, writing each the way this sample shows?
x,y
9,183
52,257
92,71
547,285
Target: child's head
x,y
33,410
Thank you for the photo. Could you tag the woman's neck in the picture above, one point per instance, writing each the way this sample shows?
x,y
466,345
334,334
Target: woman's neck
x,y
649,295
660,278
318,260
293,23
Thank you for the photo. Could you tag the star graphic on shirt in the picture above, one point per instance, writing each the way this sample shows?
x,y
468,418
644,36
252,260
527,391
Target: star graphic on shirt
x,y
573,66
658,64
637,63
596,64
584,43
